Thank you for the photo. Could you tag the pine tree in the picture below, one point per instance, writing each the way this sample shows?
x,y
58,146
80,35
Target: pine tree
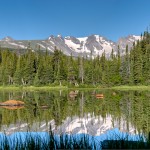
x,y
81,70
145,58
71,72
105,69
125,67
137,64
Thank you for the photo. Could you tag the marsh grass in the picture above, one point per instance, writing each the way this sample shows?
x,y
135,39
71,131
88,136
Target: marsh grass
x,y
126,142
46,88
46,142
34,141
32,88
126,87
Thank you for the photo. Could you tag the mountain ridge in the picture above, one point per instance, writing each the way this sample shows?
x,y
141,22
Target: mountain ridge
x,y
86,46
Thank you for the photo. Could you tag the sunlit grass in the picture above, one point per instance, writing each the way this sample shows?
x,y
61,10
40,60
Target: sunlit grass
x,y
45,88
141,87
31,88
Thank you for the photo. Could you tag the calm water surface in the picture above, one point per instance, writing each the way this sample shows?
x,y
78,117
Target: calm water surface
x,y
77,112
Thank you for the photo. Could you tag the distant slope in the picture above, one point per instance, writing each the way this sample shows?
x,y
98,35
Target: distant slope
x,y
86,46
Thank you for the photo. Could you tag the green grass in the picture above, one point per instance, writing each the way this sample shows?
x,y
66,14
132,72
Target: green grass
x,y
126,141
140,87
50,141
124,144
36,142
33,88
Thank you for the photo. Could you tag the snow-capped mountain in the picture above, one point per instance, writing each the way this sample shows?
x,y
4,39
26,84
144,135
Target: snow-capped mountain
x,y
92,45
7,38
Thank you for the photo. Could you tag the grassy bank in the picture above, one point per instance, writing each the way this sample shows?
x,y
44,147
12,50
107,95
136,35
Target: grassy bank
x,y
140,87
32,88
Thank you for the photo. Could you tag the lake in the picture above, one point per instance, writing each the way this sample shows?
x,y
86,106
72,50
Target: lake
x,y
97,113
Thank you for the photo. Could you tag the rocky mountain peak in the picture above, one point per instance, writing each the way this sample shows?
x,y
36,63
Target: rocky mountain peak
x,y
70,45
7,38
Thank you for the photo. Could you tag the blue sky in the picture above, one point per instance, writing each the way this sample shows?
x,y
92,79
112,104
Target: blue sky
x,y
38,19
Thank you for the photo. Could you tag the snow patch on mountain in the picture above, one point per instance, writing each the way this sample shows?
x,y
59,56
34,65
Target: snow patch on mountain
x,y
18,45
8,38
98,38
84,46
82,39
136,37
41,45
71,44
52,42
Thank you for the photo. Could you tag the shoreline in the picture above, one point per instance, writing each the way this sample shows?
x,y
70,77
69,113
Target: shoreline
x,y
32,88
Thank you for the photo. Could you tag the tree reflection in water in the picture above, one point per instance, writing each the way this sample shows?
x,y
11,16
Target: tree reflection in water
x,y
131,106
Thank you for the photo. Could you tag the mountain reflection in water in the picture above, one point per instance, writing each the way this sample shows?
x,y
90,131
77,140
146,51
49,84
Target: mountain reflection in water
x,y
90,124
128,112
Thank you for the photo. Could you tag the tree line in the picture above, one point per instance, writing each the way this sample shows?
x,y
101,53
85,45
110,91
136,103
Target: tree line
x,y
41,68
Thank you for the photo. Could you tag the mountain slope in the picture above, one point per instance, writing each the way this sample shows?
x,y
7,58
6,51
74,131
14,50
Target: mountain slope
x,y
86,46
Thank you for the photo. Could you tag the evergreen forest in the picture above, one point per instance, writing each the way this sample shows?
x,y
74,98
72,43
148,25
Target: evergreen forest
x,y
38,68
